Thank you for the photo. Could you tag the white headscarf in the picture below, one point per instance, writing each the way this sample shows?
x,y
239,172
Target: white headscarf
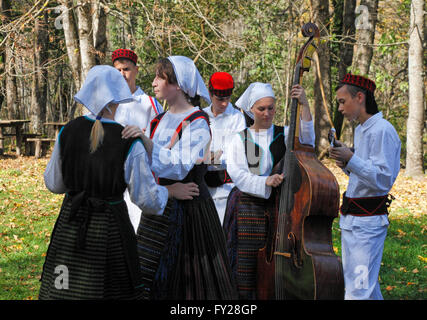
x,y
103,85
189,78
252,94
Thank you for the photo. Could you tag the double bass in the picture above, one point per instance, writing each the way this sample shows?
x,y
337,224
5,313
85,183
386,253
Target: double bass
x,y
301,263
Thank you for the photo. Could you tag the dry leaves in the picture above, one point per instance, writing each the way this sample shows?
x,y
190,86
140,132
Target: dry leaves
x,y
410,194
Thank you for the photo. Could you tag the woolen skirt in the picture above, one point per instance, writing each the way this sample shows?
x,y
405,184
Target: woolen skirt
x,y
92,254
182,253
245,226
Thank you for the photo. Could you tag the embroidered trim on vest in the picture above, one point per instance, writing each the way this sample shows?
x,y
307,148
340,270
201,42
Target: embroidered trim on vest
x,y
277,132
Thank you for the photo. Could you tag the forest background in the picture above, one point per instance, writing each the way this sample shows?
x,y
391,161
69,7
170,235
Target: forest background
x,y
47,47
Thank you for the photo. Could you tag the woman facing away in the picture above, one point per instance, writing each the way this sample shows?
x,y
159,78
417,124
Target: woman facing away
x,y
253,158
93,243
182,253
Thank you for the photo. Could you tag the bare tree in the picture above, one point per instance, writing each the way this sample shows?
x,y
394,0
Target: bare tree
x,y
415,123
322,100
39,78
85,37
71,39
345,52
87,51
11,88
99,23
367,16
365,34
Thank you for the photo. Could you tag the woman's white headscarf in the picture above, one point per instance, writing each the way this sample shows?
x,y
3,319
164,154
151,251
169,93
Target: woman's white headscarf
x,y
189,78
103,85
252,94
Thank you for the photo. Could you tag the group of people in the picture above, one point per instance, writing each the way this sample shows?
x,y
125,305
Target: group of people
x,y
172,205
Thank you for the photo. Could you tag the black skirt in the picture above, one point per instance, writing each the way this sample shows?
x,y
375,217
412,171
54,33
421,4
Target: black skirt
x,y
182,253
92,253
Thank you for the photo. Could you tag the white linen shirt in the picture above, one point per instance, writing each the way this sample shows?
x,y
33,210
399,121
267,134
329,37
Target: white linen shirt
x,y
237,164
176,162
223,126
150,197
140,112
374,166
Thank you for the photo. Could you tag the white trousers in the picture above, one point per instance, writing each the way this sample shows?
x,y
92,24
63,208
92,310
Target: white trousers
x,y
362,250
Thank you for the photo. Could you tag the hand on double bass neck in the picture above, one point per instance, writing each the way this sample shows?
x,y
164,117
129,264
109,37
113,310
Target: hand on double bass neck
x,y
298,93
274,180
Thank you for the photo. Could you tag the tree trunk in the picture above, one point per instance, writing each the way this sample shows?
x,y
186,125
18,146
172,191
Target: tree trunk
x,y
415,124
345,51
365,34
2,82
86,41
87,51
321,120
99,23
9,64
40,74
11,89
365,24
71,40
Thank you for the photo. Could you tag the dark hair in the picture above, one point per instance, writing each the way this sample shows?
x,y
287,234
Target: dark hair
x,y
370,103
164,69
121,59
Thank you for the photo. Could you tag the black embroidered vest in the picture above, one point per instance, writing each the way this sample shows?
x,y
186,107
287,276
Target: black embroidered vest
x,y
253,151
100,174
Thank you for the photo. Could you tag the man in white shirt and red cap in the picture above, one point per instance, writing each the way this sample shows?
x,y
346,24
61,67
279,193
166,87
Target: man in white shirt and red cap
x,y
144,108
225,120
139,113
372,166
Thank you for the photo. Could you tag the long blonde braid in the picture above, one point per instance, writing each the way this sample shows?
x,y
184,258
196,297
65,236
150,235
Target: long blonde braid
x,y
96,134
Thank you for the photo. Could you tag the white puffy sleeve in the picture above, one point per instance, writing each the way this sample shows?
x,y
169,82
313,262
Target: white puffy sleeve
x,y
53,173
238,169
150,197
307,134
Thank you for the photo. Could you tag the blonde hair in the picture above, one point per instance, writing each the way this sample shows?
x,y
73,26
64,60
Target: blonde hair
x,y
96,134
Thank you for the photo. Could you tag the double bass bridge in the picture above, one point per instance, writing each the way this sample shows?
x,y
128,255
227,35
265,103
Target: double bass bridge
x,y
283,254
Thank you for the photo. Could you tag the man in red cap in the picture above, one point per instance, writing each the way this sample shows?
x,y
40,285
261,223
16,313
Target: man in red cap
x,y
372,166
225,120
140,112
145,108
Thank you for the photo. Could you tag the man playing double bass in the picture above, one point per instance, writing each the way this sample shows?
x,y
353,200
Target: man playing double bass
x,y
372,167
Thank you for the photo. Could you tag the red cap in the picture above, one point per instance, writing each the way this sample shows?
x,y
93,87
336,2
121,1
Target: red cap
x,y
221,84
359,81
124,53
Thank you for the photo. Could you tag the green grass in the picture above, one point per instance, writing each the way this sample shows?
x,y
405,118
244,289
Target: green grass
x,y
28,212
403,273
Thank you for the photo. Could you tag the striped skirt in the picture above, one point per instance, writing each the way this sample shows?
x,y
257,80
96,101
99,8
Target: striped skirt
x,y
245,226
102,266
182,253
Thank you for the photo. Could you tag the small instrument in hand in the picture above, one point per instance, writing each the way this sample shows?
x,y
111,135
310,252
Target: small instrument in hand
x,y
332,138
